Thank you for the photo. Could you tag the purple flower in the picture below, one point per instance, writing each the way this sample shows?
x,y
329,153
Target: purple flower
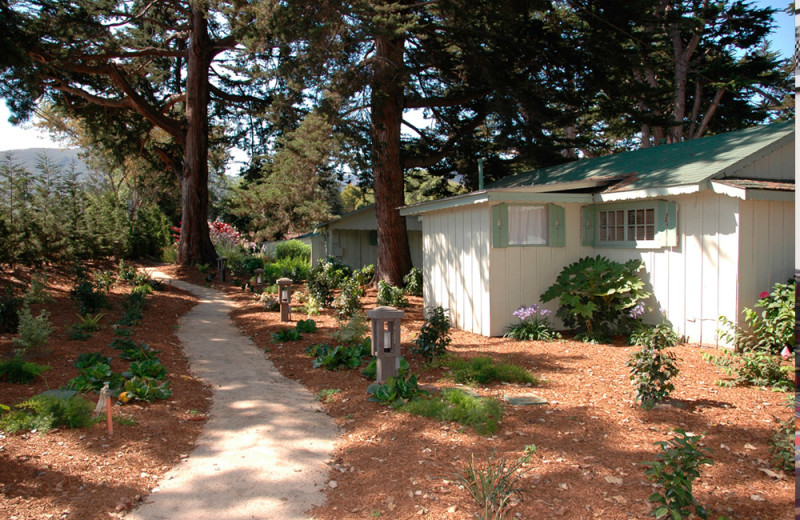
x,y
637,311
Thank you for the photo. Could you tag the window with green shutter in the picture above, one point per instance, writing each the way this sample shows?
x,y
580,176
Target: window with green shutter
x,y
641,224
515,225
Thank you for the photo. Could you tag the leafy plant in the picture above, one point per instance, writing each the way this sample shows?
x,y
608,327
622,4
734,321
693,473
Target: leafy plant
x,y
15,370
324,277
85,360
597,296
251,263
483,370
270,302
652,367
311,306
770,330
348,302
782,446
371,370
340,356
285,335
148,369
390,295
353,332
677,467
753,368
434,336
203,268
126,272
396,391
143,389
534,325
104,280
412,282
37,292
49,410
308,325
364,275
93,377
33,331
480,413
492,485
326,394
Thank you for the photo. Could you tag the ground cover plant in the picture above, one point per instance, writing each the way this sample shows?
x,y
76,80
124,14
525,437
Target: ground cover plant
x,y
492,484
452,404
483,370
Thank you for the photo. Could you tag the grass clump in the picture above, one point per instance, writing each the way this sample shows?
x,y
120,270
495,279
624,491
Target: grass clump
x,y
492,485
483,370
480,413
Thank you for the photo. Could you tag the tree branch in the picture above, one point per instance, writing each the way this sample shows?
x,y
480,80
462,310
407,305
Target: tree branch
x,y
141,53
236,98
707,117
431,102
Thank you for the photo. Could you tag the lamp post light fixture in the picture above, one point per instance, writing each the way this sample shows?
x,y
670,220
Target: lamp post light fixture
x,y
222,263
259,279
386,341
285,298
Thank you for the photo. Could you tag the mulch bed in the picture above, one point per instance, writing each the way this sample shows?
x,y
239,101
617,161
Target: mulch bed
x,y
591,438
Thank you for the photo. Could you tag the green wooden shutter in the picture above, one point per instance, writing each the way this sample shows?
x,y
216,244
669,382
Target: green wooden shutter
x,y
667,223
557,235
588,225
373,237
500,225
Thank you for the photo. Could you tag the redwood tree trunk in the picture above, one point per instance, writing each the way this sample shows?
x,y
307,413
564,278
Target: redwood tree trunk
x,y
394,256
195,243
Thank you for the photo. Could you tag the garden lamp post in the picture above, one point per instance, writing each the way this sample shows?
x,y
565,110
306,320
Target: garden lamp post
x,y
386,340
285,298
222,263
259,279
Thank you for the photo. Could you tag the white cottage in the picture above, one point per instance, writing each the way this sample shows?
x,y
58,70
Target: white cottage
x,y
712,219
353,239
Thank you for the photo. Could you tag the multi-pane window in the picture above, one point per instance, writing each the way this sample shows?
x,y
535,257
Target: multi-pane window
x,y
627,225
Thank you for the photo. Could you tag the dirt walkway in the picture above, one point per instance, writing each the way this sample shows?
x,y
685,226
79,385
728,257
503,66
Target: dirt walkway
x,y
262,453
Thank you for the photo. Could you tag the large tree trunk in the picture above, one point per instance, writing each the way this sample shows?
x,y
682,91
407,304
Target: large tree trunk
x,y
195,244
394,256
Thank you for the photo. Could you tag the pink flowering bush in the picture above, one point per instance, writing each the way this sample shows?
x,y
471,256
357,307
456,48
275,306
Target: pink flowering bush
x,y
223,234
534,325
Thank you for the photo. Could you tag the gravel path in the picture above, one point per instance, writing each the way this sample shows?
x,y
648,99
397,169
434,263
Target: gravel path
x,y
263,451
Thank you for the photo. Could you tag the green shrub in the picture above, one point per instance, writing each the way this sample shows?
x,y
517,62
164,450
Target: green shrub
x,y
49,410
37,292
169,254
332,358
434,336
33,331
93,377
753,368
353,332
90,322
480,413
86,360
534,325
371,370
311,306
396,391
251,263
599,297
677,467
324,278
270,302
390,295
483,370
770,330
492,485
285,335
364,275
297,269
15,370
412,282
90,299
348,302
10,305
308,325
293,249
652,367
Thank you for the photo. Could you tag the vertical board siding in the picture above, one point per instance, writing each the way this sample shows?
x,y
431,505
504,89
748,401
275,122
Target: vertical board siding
x,y
455,265
777,165
766,244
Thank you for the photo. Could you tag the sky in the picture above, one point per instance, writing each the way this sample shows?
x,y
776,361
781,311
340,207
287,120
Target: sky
x,y
26,136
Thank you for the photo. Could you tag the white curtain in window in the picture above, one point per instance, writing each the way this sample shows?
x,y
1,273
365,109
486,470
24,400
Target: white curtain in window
x,y
527,225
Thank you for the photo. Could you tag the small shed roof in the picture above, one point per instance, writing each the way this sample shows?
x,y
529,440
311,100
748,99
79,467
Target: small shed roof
x,y
687,166
687,162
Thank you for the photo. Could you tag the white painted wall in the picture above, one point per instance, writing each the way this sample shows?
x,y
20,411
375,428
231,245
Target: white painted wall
x,y
456,265
776,165
352,247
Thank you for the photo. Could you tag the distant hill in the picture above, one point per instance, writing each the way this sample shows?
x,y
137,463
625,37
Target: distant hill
x,y
63,157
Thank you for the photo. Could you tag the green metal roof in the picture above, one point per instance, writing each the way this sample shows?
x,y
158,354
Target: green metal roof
x,y
685,163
